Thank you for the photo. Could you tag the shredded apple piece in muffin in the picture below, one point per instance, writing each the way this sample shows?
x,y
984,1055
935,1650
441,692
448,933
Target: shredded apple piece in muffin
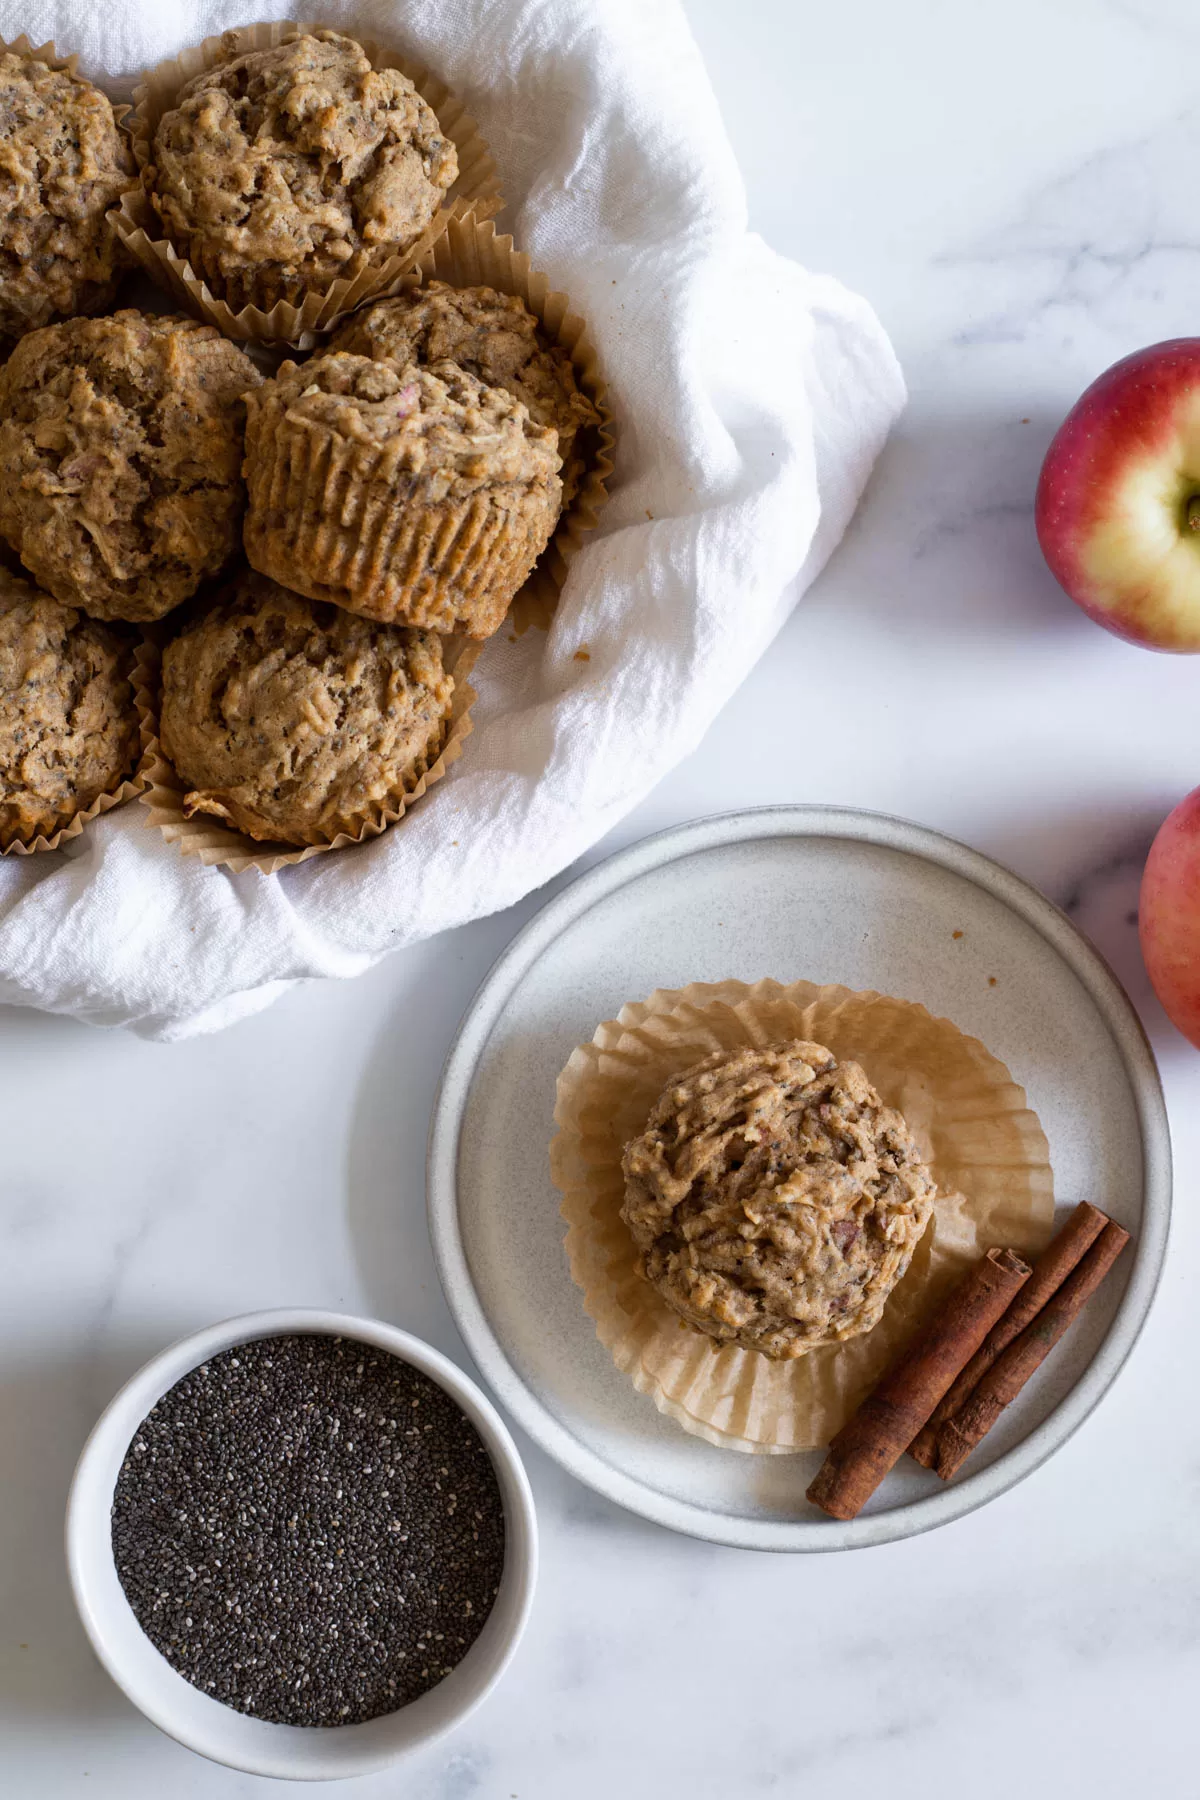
x,y
774,1200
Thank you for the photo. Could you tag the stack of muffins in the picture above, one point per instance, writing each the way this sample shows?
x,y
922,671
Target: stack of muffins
x,y
320,542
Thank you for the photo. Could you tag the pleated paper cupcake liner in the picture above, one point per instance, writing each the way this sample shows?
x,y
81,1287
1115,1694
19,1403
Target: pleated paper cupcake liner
x,y
129,789
335,520
476,192
983,1143
222,846
45,53
473,254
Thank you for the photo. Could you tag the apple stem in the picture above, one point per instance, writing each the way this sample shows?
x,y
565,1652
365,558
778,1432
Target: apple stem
x,y
1193,513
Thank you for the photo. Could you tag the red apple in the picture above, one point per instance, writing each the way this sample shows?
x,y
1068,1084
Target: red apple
x,y
1118,501
1169,916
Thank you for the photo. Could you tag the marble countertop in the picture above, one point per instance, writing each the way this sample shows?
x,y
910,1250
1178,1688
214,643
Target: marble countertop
x,y
1016,194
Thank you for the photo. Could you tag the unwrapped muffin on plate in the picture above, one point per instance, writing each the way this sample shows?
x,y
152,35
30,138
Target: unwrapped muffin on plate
x,y
774,1200
768,1189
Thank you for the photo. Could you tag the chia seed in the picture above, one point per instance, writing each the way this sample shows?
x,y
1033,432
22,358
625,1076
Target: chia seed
x,y
309,1530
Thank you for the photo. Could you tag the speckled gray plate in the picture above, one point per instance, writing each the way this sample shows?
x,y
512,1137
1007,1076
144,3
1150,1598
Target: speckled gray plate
x,y
790,892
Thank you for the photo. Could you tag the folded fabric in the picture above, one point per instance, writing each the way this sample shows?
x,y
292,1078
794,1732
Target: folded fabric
x,y
751,399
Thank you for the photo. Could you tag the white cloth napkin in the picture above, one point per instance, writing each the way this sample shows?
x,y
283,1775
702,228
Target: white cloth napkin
x,y
751,398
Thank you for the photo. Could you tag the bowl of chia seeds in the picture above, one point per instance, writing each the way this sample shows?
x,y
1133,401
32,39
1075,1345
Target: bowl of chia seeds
x,y
302,1543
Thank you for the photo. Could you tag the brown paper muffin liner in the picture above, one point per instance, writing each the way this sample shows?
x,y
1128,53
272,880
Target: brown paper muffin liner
x,y
473,254
985,1147
220,845
476,191
44,53
129,789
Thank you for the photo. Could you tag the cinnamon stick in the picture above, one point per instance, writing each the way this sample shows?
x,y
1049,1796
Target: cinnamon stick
x,y
1058,1259
1008,1375
875,1439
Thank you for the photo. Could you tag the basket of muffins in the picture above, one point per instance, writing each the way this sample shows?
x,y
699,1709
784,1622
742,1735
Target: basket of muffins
x,y
252,546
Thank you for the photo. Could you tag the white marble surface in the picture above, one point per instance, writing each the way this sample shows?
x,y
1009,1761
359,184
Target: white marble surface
x,y
1015,190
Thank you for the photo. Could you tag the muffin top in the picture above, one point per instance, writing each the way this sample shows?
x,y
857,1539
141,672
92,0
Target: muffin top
x,y
492,336
439,423
63,163
276,170
68,725
774,1200
120,459
295,720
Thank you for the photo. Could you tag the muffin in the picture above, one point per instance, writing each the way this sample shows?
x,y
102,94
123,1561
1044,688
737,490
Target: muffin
x,y
494,337
982,1144
296,721
413,495
282,170
774,1200
63,164
68,724
120,459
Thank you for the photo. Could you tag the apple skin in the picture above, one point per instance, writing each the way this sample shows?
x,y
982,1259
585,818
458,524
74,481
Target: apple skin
x,y
1112,498
1169,916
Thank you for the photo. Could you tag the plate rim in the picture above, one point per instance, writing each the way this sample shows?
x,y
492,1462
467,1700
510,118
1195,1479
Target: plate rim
x,y
720,831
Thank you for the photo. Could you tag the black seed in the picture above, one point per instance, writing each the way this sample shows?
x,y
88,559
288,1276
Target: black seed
x,y
289,1568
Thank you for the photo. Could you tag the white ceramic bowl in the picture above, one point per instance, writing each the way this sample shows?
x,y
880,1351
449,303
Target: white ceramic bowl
x,y
292,1752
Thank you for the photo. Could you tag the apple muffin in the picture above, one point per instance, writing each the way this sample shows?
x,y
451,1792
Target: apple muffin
x,y
774,1200
414,496
494,337
295,721
280,170
120,459
68,723
63,164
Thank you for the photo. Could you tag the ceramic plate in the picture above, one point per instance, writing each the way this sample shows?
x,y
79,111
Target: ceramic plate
x,y
790,892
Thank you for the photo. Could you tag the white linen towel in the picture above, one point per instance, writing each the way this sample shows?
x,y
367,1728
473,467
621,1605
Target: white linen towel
x,y
737,472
